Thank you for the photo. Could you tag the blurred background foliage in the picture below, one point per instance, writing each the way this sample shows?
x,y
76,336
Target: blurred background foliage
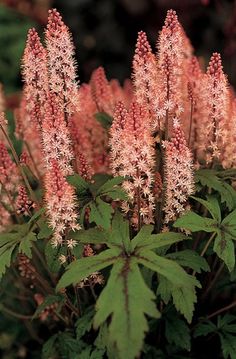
x,y
105,32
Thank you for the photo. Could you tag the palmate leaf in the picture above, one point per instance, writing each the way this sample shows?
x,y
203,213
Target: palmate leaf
x,y
145,240
83,267
191,259
167,268
127,298
204,328
84,323
228,345
126,291
179,284
21,237
100,213
117,235
229,224
212,206
177,332
224,248
26,244
209,178
193,222
184,298
5,257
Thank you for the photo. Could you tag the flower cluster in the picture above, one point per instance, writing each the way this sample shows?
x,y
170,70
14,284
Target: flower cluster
x,y
178,176
61,205
133,157
170,117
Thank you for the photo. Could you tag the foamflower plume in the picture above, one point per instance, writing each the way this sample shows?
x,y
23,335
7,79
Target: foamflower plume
x,y
178,174
61,205
61,63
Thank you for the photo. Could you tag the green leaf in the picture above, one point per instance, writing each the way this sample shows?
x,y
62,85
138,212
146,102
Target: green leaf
x,y
52,255
48,350
109,185
104,119
184,299
37,215
228,195
228,345
164,289
182,284
224,248
97,181
117,194
84,324
193,222
204,328
212,206
127,299
101,213
26,244
69,347
209,178
191,259
225,322
5,257
83,267
91,235
119,234
145,240
228,173
82,187
49,300
168,268
88,353
45,231
229,224
177,332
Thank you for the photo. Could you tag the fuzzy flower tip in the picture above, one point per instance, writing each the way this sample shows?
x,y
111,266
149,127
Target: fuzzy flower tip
x,y
61,63
178,174
34,72
144,70
101,91
61,205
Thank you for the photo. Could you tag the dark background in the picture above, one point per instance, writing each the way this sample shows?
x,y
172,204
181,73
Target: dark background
x,y
105,31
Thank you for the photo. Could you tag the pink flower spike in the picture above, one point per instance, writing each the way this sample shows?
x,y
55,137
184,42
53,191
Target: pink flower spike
x,y
178,174
216,101
55,136
23,203
61,63
61,204
34,72
101,91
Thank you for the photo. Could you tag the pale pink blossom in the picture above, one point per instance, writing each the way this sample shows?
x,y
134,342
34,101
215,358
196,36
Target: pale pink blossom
x,y
133,156
61,205
178,174
35,76
216,106
56,137
102,91
61,63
